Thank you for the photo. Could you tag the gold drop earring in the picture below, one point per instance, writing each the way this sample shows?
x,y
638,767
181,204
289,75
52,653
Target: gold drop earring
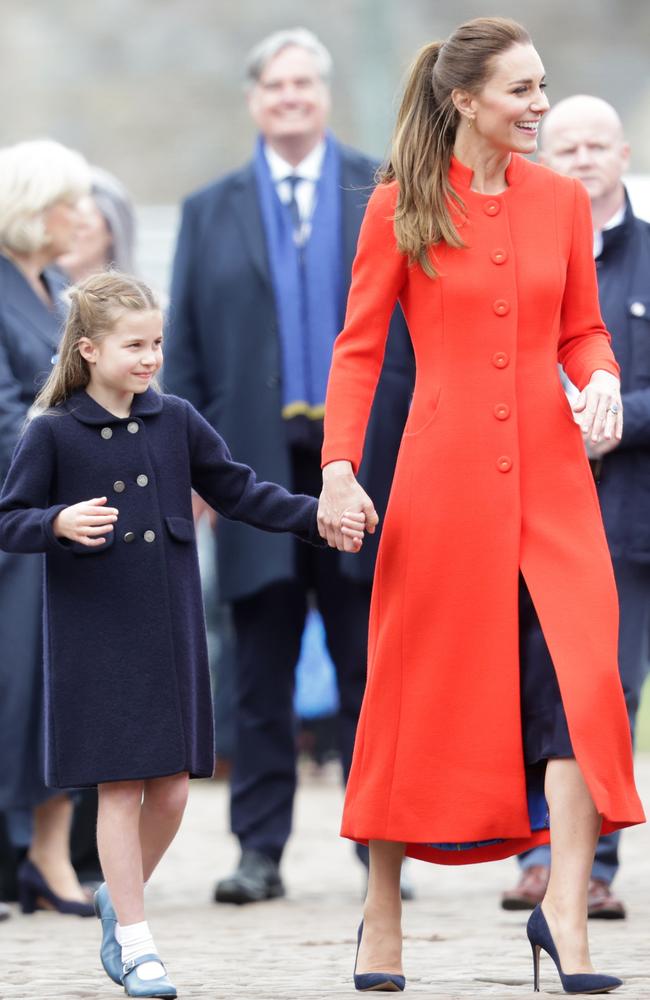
x,y
470,122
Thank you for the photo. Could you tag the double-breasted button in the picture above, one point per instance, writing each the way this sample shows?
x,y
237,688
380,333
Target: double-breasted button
x,y
106,433
129,536
500,359
499,256
504,463
492,207
142,480
502,411
638,309
501,307
149,536
119,486
132,427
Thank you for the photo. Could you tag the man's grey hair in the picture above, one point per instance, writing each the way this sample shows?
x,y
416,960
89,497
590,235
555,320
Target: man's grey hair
x,y
259,57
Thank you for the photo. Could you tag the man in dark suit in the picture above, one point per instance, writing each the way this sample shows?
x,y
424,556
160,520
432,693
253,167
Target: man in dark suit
x,y
583,137
260,280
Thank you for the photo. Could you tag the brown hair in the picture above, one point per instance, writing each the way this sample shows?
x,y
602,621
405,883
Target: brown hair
x,y
425,131
95,306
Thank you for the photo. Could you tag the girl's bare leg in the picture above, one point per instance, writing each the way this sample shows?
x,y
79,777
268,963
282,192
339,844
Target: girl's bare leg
x,y
162,811
575,828
381,943
118,844
50,847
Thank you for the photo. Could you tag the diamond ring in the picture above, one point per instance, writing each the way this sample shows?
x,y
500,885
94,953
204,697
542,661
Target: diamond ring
x,y
614,408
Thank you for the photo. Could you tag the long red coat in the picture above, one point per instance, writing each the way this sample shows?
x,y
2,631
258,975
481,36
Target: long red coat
x,y
491,478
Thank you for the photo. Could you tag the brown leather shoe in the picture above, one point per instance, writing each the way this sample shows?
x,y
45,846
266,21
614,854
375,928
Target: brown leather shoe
x,y
529,890
602,903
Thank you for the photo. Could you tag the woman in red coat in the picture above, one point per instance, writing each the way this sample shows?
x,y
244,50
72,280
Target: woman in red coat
x,y
490,257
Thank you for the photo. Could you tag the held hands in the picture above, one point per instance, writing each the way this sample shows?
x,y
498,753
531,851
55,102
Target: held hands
x,y
83,522
344,509
599,413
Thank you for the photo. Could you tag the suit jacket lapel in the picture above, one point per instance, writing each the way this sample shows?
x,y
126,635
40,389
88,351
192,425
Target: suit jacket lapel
x,y
247,210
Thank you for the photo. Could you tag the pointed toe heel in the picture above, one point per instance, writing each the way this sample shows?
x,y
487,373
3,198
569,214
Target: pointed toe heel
x,y
384,982
136,987
540,937
110,951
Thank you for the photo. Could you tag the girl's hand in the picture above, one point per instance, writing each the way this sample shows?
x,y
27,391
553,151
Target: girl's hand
x,y
82,522
352,526
601,408
342,494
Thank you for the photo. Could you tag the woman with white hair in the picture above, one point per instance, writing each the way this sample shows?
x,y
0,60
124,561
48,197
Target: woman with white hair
x,y
106,234
41,183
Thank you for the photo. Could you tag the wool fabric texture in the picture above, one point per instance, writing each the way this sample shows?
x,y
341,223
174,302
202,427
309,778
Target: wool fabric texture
x,y
492,478
126,667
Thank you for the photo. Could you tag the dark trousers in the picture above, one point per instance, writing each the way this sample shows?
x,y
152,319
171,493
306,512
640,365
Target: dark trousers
x,y
268,629
633,584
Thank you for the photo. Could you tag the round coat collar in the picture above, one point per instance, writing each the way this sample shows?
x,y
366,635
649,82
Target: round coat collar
x,y
87,411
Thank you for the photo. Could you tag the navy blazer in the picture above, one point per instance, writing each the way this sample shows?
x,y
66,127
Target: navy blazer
x,y
29,337
223,354
623,269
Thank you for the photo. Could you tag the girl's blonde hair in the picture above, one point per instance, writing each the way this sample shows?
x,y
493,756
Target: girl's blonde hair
x,y
95,306
35,175
425,131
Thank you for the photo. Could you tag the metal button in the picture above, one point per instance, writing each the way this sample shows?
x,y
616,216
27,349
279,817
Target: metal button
x,y
499,256
504,463
492,207
149,536
142,480
119,486
501,307
500,359
502,411
638,309
106,433
132,427
129,536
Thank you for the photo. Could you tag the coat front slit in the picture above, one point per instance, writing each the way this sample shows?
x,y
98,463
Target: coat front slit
x,y
491,479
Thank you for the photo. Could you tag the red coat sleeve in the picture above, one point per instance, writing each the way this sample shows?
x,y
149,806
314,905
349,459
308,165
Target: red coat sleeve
x,y
584,344
378,273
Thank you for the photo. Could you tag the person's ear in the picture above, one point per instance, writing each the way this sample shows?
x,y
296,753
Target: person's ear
x,y
464,103
625,156
87,349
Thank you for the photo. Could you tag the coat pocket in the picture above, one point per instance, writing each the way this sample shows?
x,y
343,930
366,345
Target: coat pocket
x,y
180,528
93,550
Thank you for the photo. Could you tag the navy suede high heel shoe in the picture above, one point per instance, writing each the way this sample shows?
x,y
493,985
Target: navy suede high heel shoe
x,y
540,937
33,889
387,982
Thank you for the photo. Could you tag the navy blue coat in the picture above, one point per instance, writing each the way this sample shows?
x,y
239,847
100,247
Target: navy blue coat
x,y
623,269
223,354
29,337
128,690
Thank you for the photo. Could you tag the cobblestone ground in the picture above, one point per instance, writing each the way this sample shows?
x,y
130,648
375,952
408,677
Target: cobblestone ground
x,y
458,942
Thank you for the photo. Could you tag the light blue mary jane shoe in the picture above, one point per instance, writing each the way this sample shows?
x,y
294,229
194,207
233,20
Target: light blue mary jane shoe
x,y
136,987
110,951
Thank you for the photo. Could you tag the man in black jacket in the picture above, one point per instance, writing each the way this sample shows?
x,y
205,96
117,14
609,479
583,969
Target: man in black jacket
x,y
583,137
259,286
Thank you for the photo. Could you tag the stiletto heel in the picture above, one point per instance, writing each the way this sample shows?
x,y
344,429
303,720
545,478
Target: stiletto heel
x,y
536,950
387,982
32,887
540,937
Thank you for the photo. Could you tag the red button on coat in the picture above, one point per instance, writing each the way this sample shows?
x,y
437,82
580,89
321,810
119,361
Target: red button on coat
x,y
501,307
492,207
500,359
499,256
502,411
504,463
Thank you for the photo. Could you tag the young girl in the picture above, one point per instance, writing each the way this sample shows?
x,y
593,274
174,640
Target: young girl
x,y
101,482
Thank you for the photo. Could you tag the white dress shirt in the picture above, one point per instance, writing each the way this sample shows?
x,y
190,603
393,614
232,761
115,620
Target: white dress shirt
x,y
308,170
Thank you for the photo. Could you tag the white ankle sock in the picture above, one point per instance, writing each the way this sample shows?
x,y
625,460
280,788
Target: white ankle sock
x,y
136,940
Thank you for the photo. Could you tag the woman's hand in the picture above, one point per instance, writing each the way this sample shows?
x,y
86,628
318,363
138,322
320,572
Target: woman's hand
x,y
342,495
82,522
600,408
